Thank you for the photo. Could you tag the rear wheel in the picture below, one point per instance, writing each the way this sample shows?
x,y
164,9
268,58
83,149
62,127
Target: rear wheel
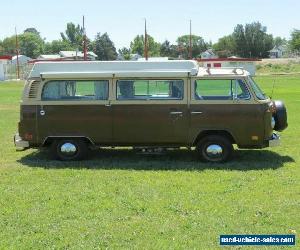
x,y
69,149
215,148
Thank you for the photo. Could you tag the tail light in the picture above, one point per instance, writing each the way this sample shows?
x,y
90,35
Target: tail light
x,y
28,136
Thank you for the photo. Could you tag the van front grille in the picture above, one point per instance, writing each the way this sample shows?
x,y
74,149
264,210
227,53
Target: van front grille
x,y
34,87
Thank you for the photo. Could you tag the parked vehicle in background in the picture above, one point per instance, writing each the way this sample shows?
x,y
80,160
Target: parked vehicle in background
x,y
71,106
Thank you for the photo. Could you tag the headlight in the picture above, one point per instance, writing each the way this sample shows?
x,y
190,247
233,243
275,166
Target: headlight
x,y
272,122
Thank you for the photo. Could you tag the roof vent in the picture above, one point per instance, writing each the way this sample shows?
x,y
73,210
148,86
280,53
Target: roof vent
x,y
34,87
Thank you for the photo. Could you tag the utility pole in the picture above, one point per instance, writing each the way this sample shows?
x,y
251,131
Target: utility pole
x,y
190,48
84,42
146,42
17,52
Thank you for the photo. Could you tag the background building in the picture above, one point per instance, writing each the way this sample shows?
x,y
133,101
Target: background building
x,y
22,59
277,52
4,60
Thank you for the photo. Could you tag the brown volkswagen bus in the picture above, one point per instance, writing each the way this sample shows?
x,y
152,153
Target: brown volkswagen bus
x,y
70,107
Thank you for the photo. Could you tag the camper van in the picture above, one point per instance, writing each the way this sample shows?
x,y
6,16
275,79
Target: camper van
x,y
71,107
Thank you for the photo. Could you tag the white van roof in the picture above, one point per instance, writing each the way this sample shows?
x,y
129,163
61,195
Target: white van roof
x,y
222,72
118,68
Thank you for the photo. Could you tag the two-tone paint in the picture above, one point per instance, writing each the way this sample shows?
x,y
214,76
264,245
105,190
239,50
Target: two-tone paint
x,y
169,123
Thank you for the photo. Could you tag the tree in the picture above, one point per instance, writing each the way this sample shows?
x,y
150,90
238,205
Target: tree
x,y
31,44
198,45
295,40
137,46
225,46
252,40
56,46
32,30
165,48
239,38
73,35
125,53
104,48
169,50
1,48
9,45
278,41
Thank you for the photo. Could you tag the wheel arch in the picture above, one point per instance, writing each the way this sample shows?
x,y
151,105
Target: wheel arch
x,y
49,139
205,133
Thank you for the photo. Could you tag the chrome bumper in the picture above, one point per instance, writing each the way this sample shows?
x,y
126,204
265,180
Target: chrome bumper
x,y
274,140
20,143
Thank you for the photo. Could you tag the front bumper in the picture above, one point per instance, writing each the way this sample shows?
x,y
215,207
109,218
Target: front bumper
x,y
274,141
20,143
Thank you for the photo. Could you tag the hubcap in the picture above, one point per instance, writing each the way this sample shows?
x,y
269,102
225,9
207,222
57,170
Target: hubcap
x,y
68,149
214,151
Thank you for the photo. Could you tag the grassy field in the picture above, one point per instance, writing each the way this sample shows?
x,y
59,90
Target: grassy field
x,y
289,67
119,199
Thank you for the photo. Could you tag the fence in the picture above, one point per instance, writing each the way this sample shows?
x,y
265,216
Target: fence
x,y
10,71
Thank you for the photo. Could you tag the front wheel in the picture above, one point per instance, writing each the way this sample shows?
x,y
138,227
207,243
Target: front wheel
x,y
69,149
215,148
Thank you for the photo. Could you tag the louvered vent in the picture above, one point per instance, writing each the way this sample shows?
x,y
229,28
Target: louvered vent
x,y
34,87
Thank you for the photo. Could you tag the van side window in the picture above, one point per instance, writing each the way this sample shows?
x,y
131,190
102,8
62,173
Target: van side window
x,y
220,89
75,90
240,90
150,89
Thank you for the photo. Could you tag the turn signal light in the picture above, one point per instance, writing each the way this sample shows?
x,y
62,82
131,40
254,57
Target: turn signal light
x,y
272,107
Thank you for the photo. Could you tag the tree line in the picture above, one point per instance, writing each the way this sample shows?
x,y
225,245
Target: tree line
x,y
249,40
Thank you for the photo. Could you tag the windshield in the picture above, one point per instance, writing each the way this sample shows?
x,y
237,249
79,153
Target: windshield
x,y
258,92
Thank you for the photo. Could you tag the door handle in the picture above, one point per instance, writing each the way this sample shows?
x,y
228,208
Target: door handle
x,y
175,113
42,112
107,105
196,112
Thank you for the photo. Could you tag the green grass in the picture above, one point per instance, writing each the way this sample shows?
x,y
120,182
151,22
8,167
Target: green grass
x,y
287,68
122,200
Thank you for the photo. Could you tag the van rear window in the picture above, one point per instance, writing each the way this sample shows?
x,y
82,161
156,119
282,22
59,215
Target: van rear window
x,y
75,90
150,89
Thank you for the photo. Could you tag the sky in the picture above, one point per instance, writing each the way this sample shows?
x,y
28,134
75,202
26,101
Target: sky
x,y
166,19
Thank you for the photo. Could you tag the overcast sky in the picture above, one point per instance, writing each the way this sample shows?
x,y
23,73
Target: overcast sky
x,y
167,19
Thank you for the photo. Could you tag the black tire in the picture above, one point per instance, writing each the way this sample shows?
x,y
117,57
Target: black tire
x,y
80,153
280,116
220,147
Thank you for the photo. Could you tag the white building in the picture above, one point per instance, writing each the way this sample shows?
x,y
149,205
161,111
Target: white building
x,y
2,75
245,63
208,54
78,55
49,57
22,59
4,61
135,57
277,52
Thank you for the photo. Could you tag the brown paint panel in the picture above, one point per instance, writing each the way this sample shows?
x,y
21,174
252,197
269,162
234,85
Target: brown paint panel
x,y
27,124
242,120
146,124
150,124
93,121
